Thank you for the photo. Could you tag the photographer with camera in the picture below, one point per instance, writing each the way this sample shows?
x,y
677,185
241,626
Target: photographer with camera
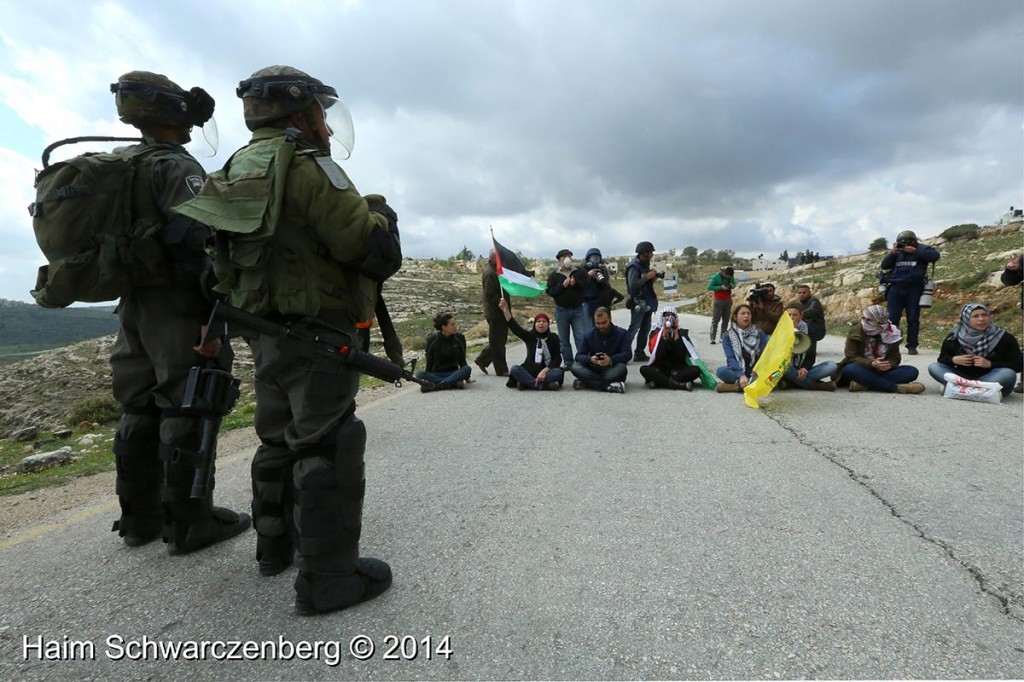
x,y
598,292
566,286
908,262
721,283
642,301
766,307
668,367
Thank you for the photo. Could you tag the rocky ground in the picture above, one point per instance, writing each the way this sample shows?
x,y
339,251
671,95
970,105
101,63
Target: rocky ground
x,y
28,509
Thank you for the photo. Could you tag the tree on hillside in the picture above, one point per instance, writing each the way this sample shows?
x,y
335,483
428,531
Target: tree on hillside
x,y
880,244
465,254
725,256
690,253
707,256
784,255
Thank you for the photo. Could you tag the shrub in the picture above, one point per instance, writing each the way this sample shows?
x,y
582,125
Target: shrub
x,y
880,244
104,410
966,231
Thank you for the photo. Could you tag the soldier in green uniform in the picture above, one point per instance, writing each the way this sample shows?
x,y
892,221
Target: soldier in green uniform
x,y
161,324
298,241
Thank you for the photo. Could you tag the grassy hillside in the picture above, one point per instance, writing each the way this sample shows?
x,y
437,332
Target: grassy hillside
x,y
27,328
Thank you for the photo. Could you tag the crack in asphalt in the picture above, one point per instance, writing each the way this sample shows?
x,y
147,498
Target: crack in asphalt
x,y
976,574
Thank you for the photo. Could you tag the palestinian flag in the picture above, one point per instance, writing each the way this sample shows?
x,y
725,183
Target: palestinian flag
x,y
512,274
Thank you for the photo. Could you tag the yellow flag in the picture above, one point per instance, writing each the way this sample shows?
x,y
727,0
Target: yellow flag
x,y
773,362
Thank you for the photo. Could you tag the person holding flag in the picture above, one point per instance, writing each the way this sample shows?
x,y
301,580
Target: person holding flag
x,y
773,363
668,366
743,344
503,276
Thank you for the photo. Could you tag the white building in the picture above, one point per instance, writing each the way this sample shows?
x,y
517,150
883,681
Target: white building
x,y
758,264
1014,215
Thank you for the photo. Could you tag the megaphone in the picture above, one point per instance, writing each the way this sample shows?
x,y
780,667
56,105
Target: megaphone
x,y
802,344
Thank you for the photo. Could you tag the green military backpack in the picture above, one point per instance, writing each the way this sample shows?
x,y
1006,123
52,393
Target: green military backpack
x,y
84,222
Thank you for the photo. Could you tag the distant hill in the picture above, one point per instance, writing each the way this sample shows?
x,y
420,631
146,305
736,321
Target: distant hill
x,y
25,327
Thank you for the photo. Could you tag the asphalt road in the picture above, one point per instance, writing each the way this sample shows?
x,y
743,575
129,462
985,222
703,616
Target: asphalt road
x,y
581,535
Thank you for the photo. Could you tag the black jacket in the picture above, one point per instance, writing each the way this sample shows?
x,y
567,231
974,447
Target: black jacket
x,y
1005,354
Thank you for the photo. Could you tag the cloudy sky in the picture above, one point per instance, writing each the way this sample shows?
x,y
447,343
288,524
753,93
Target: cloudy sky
x,y
752,126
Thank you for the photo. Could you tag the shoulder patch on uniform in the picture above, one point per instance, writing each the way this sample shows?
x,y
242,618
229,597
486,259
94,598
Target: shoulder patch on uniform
x,y
194,183
333,172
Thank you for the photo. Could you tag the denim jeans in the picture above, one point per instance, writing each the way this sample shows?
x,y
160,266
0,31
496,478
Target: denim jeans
x,y
640,328
1003,375
814,374
520,374
446,379
880,381
574,319
906,297
599,378
729,376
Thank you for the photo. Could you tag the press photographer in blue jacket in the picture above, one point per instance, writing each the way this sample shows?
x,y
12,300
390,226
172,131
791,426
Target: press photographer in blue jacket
x,y
908,265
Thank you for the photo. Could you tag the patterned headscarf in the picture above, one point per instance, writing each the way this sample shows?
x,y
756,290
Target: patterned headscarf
x,y
746,344
875,322
970,339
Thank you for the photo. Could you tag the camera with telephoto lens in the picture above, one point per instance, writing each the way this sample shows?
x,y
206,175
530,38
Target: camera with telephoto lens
x,y
661,275
901,244
759,294
596,265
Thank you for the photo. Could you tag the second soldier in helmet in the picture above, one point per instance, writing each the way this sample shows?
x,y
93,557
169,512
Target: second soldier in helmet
x,y
321,240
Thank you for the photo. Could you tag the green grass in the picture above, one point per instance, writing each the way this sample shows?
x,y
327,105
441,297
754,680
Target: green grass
x,y
87,462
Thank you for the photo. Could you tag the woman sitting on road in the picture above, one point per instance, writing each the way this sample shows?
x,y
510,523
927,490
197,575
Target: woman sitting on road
x,y
978,349
872,356
542,367
743,344
446,356
802,372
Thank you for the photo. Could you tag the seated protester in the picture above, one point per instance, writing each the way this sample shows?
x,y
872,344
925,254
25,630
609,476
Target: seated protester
x,y
667,367
446,356
602,357
814,312
541,369
742,344
802,372
872,356
978,349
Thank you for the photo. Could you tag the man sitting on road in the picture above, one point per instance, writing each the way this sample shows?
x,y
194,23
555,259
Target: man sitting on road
x,y
602,356
813,313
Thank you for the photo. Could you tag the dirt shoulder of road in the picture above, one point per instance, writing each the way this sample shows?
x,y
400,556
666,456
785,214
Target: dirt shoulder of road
x,y
37,506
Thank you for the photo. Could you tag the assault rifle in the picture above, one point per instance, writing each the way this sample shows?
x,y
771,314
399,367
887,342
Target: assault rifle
x,y
299,338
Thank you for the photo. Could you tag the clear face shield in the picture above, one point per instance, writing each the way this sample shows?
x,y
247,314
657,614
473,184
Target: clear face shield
x,y
205,147
339,125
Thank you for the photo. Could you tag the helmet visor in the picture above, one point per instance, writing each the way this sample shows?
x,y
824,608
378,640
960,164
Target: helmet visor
x,y
207,146
339,125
